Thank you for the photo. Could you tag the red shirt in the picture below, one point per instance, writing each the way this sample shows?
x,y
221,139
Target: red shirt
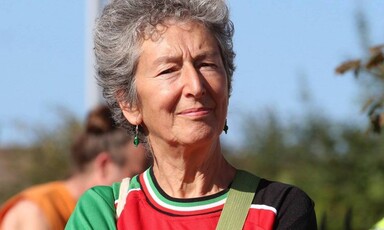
x,y
275,206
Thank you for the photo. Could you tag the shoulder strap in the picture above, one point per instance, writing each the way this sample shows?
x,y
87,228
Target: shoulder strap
x,y
123,192
239,201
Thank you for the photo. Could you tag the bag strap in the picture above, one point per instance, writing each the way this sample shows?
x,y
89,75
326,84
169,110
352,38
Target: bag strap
x,y
239,201
123,192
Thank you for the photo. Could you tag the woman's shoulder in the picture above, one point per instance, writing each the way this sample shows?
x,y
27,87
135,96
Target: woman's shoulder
x,y
95,209
293,207
109,194
269,192
278,188
277,193
24,214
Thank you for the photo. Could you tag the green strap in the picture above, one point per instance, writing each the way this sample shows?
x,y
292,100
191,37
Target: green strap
x,y
239,201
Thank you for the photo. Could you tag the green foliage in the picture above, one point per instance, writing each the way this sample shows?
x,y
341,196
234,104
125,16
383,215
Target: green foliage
x,y
338,166
372,71
45,159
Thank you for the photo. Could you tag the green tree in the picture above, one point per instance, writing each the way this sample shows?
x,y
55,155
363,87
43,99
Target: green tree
x,y
46,158
372,70
336,164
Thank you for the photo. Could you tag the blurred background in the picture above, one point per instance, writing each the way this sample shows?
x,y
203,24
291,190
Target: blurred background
x,y
292,117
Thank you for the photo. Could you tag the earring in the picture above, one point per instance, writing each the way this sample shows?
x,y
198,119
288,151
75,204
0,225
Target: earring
x,y
225,127
136,140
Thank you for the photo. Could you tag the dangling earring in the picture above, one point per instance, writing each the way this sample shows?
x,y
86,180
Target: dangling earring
x,y
225,127
136,140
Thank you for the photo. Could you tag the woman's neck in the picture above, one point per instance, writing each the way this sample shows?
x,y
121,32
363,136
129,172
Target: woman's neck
x,y
78,184
188,174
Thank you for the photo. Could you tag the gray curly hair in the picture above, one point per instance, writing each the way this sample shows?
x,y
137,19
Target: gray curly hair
x,y
121,29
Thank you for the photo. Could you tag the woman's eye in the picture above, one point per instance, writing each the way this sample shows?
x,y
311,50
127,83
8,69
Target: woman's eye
x,y
208,65
167,71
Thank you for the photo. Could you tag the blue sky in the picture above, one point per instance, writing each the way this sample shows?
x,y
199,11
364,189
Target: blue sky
x,y
281,46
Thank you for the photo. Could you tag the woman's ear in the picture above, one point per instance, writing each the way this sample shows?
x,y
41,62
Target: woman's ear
x,y
131,113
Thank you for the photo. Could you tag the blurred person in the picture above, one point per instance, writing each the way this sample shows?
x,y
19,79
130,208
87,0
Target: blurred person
x,y
101,155
166,70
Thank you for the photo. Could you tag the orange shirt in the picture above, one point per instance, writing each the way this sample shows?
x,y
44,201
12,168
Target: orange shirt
x,y
53,198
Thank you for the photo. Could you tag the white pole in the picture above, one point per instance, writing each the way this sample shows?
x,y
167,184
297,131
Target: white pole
x,y
93,95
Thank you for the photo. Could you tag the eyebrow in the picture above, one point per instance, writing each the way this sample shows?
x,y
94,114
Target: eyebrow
x,y
209,54
165,59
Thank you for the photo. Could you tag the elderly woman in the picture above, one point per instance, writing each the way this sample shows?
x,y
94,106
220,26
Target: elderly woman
x,y
166,68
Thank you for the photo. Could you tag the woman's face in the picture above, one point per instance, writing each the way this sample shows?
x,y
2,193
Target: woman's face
x,y
182,86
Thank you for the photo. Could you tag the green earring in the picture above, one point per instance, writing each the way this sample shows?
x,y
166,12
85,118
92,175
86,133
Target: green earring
x,y
136,140
225,127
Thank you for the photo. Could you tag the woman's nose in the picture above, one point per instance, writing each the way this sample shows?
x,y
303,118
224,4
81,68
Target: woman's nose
x,y
194,84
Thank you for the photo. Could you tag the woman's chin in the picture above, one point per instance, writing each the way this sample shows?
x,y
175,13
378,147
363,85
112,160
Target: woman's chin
x,y
199,136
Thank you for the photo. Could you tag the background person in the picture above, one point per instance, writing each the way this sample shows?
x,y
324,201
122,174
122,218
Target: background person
x,y
166,69
101,155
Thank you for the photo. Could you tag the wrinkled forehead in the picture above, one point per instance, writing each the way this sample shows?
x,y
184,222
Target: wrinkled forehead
x,y
155,31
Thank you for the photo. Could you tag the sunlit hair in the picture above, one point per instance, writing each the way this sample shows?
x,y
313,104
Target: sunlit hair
x,y
100,135
122,28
